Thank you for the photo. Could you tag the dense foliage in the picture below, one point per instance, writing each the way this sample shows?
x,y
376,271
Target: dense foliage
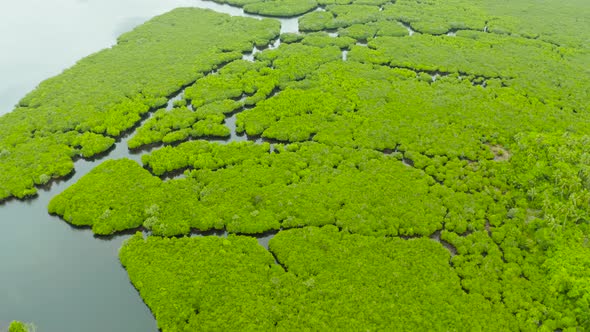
x,y
432,181
16,326
77,112
500,60
246,189
327,279
280,8
550,21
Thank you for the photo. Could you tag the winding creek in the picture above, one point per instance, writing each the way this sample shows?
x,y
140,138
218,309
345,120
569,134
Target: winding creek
x,y
56,276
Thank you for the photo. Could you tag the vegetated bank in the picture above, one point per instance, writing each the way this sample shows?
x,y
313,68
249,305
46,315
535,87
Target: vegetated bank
x,y
16,326
473,128
82,110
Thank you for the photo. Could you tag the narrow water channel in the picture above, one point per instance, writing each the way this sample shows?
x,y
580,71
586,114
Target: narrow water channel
x,y
59,277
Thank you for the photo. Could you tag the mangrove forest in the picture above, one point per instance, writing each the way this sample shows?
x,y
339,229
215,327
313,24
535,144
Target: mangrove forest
x,y
418,165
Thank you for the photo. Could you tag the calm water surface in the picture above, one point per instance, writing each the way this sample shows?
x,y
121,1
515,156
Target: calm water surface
x,y
58,277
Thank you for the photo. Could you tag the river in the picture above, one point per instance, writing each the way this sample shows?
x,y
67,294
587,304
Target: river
x,y
56,276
